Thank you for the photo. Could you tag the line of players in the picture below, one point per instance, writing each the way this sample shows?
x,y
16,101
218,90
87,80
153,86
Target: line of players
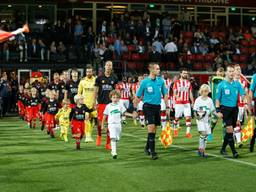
x,y
43,101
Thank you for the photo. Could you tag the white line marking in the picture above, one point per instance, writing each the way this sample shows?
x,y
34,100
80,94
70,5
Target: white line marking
x,y
210,154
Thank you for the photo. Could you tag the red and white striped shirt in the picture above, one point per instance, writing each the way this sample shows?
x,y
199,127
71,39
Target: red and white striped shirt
x,y
168,84
125,89
135,87
182,89
244,84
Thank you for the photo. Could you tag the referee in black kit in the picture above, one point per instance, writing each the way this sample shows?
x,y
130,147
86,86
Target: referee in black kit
x,y
152,88
226,106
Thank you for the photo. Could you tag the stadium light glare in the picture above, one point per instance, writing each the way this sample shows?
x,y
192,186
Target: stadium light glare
x,y
233,8
151,5
116,7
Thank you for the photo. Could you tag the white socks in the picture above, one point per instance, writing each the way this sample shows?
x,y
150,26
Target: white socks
x,y
202,142
113,147
188,130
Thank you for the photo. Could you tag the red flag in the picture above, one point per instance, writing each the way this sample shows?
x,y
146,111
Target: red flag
x,y
4,35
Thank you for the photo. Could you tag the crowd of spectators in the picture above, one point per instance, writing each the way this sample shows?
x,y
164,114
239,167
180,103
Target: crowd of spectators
x,y
134,40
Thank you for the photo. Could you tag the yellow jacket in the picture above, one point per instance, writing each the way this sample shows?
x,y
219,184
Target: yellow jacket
x,y
63,117
86,89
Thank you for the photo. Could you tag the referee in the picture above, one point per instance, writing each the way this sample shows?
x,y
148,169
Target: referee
x,y
252,94
152,88
226,106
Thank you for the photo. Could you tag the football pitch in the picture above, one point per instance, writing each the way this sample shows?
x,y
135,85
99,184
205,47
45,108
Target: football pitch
x,y
31,161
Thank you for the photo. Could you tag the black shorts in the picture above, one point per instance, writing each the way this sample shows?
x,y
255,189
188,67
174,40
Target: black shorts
x,y
229,115
152,114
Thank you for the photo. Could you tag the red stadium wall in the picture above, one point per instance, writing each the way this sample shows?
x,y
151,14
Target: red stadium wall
x,y
243,3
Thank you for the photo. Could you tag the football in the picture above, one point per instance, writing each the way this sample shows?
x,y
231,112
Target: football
x,y
201,114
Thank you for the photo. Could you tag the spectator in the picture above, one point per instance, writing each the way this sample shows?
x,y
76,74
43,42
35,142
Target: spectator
x,y
253,30
101,39
33,49
158,22
171,52
140,48
53,51
108,54
247,35
22,47
166,23
185,49
176,29
96,53
203,48
198,36
118,48
42,48
156,33
227,57
124,48
61,50
112,28
90,40
69,30
128,39
78,32
237,50
135,41
122,26
186,20
219,61
231,37
147,34
214,40
60,31
14,90
4,94
195,49
102,49
131,26
104,27
158,46
6,51
154,56
140,29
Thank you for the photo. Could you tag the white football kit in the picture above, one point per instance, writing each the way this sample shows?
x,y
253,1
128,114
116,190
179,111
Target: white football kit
x,y
206,105
114,113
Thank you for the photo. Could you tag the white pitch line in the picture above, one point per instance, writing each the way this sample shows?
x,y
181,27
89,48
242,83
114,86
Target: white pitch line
x,y
210,154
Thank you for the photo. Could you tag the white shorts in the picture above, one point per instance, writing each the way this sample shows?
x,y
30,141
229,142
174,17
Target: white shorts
x,y
125,102
203,127
240,115
140,106
182,109
115,131
163,106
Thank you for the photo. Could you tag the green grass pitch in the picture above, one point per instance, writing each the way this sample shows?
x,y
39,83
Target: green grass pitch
x,y
31,161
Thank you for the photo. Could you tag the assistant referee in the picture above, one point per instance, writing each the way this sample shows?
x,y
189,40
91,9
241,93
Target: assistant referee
x,y
152,88
226,106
